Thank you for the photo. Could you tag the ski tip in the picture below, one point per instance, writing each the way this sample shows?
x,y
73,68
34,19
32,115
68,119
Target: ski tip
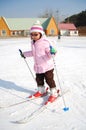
x,y
66,109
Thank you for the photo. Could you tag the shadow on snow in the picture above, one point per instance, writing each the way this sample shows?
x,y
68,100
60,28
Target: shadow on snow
x,y
12,86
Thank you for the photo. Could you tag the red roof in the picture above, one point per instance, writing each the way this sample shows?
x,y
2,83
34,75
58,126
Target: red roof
x,y
66,26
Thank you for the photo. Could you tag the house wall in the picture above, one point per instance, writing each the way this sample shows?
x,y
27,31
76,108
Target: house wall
x,y
64,32
4,30
69,32
18,33
74,33
52,29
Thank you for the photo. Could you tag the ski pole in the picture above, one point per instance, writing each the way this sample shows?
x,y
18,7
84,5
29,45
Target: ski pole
x,y
26,63
65,107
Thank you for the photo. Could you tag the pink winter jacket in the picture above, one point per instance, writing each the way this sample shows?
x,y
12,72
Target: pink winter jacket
x,y
43,61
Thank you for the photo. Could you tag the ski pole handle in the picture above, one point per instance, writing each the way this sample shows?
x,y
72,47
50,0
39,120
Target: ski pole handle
x,y
22,55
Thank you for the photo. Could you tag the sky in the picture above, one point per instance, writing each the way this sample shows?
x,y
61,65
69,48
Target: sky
x,y
34,8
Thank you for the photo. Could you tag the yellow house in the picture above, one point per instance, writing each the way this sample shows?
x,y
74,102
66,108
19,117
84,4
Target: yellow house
x,y
21,26
51,28
4,29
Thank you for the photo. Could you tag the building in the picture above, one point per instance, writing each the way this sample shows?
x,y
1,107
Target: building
x,y
21,26
67,29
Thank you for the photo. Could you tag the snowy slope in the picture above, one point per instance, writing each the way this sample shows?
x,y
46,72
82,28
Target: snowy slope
x,y
16,83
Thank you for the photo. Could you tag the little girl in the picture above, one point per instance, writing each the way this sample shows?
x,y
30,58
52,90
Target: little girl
x,y
43,62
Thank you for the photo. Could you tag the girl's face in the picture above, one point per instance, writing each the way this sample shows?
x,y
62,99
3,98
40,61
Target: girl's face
x,y
35,36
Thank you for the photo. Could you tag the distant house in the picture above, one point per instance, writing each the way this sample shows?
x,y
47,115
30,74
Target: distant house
x,y
21,26
67,29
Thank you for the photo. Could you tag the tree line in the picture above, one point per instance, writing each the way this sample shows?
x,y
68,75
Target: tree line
x,y
78,19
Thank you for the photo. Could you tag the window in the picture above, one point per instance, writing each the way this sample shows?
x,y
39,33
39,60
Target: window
x,y
75,32
52,32
13,33
3,32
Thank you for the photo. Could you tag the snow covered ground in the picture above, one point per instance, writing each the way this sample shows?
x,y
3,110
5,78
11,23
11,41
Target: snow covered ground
x,y
16,83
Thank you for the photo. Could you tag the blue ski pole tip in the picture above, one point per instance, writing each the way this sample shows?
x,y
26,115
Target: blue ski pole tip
x,y
66,109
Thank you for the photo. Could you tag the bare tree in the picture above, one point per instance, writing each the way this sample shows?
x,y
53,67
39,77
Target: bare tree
x,y
47,13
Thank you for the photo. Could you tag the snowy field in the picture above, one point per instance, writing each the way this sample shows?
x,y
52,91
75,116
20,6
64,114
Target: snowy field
x,y
16,83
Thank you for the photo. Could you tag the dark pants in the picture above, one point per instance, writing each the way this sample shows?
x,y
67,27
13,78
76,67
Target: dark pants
x,y
48,77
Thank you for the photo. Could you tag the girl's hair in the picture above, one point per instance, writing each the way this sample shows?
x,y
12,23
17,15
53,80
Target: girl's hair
x,y
40,35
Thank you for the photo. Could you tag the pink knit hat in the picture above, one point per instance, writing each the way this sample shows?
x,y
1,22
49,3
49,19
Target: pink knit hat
x,y
37,28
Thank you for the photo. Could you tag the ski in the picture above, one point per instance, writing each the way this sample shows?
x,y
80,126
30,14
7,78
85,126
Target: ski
x,y
33,115
15,104
21,102
28,99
